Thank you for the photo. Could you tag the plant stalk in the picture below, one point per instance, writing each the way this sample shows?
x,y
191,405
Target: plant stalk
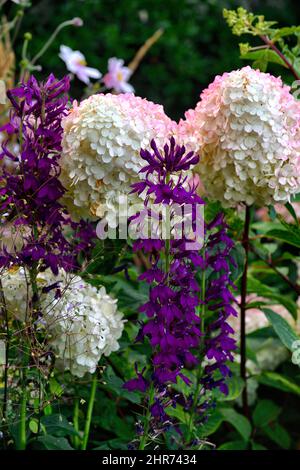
x,y
88,420
76,440
144,437
22,424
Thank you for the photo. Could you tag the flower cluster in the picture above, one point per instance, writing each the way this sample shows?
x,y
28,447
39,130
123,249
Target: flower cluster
x,y
246,127
175,297
102,139
31,191
81,322
219,344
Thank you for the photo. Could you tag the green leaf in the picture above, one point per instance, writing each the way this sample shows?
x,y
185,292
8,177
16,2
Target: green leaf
x,y
112,444
265,412
58,425
292,211
256,287
233,445
285,236
238,421
256,446
211,425
264,56
273,379
235,387
54,443
283,330
55,387
286,31
34,426
238,254
278,434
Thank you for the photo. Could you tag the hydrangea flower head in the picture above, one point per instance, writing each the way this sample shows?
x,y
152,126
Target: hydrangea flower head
x,y
82,323
246,127
102,141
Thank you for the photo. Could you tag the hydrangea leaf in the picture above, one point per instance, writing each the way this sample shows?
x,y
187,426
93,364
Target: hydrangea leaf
x,y
283,330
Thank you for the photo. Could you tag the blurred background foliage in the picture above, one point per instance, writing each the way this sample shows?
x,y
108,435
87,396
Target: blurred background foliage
x,y
196,45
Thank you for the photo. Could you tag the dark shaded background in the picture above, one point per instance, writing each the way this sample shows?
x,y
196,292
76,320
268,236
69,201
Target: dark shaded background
x,y
196,45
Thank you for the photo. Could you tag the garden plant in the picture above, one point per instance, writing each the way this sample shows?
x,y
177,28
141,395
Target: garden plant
x,y
149,265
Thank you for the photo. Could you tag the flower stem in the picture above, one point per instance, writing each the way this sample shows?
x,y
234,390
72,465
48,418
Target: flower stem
x,y
245,243
51,39
22,424
199,372
281,55
7,346
144,437
76,440
88,420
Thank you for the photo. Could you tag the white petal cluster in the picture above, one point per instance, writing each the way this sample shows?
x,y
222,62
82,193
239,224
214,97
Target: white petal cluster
x,y
82,325
246,128
296,352
102,140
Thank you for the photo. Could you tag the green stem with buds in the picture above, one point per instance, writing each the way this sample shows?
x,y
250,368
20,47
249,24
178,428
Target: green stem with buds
x,y
143,441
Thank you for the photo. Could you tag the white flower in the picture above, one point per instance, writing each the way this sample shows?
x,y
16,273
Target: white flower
x,y
76,63
101,150
118,76
82,325
296,352
246,129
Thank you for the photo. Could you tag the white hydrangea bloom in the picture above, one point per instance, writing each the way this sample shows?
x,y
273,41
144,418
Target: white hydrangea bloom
x,y
246,129
82,325
102,140
16,293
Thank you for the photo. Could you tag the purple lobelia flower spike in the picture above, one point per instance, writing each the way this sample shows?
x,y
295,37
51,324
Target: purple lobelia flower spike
x,y
30,194
175,300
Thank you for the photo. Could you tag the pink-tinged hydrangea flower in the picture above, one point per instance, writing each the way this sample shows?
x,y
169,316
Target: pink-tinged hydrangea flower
x,y
76,64
101,150
246,128
118,76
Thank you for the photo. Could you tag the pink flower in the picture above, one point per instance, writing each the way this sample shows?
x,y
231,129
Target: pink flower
x,y
118,76
76,63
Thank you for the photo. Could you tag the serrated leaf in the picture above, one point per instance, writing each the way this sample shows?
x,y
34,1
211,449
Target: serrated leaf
x,y
285,31
264,56
283,330
265,412
238,421
273,379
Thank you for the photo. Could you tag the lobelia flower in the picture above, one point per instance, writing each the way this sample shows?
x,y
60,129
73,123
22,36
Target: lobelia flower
x,y
118,76
101,143
81,322
76,63
31,191
173,325
246,127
